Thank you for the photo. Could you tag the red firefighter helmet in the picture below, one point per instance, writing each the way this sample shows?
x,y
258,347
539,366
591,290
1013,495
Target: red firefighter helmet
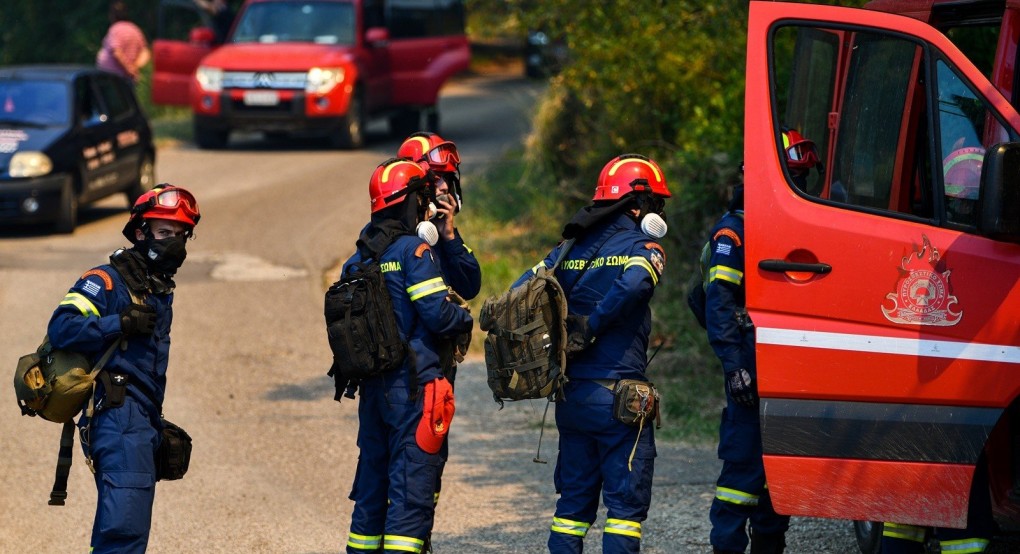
x,y
962,169
630,173
164,201
436,153
393,180
800,152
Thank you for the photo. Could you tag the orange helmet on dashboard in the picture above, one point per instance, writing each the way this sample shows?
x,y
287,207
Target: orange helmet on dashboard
x,y
800,152
432,150
164,201
393,180
630,173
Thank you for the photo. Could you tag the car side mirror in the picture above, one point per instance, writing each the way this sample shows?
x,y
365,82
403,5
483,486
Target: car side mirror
x,y
999,212
377,36
201,35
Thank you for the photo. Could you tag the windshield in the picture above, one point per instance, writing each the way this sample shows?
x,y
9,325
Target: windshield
x,y
39,103
316,22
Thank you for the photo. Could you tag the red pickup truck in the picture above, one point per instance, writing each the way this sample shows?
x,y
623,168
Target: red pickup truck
x,y
310,66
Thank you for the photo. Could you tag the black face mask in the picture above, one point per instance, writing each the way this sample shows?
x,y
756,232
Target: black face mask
x,y
163,256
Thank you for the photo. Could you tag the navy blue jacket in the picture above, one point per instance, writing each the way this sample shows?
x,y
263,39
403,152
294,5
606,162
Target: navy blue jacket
x,y
88,321
724,295
458,264
624,266
418,292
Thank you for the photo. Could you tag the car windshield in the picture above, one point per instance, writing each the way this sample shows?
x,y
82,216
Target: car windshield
x,y
316,22
34,103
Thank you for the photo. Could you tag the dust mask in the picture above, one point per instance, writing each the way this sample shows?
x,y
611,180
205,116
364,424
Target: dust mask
x,y
427,232
653,225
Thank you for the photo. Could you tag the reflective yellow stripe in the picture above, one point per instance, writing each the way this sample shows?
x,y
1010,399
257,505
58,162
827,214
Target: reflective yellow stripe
x,y
426,288
569,527
733,496
403,544
435,498
964,546
364,542
83,304
903,531
726,274
638,261
468,248
538,266
623,527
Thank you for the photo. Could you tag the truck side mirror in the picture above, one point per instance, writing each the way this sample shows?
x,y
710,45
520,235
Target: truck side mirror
x,y
999,213
377,36
201,35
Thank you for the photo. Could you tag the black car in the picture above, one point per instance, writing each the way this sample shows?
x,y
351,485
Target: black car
x,y
69,135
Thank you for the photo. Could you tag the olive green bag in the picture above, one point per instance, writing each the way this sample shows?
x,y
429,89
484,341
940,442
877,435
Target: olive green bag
x,y
55,384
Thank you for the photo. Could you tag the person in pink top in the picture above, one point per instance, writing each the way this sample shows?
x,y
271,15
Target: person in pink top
x,y
124,50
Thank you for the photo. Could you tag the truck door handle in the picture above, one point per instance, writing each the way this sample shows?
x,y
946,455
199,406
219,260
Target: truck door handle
x,y
783,266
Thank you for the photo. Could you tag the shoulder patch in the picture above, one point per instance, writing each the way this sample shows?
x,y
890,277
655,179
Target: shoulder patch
x,y
725,232
655,246
421,250
107,281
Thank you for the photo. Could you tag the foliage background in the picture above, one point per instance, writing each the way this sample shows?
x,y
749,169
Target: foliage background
x,y
661,78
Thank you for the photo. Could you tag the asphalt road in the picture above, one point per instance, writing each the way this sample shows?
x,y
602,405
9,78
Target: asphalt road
x,y
274,455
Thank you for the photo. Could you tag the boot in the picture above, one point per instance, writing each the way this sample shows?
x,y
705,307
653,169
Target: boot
x,y
767,544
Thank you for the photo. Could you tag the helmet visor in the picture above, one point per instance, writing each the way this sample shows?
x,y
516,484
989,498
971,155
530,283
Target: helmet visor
x,y
444,154
802,154
172,199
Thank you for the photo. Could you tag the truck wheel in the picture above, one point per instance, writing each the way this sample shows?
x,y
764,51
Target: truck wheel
x,y
210,139
869,536
351,134
432,119
405,122
146,180
67,217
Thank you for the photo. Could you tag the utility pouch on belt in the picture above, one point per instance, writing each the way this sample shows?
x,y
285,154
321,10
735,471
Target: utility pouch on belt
x,y
115,385
174,453
634,402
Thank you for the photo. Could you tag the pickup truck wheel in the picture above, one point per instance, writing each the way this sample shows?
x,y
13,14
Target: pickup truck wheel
x,y
210,139
146,180
351,134
67,217
869,536
405,122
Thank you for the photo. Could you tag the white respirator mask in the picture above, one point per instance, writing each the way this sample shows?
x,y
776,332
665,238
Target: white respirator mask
x,y
654,226
427,232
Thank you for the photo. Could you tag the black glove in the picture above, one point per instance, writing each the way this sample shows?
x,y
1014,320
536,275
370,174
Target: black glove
x,y
578,334
742,388
138,319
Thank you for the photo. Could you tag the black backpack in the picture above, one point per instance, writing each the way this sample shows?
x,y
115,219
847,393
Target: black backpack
x,y
361,326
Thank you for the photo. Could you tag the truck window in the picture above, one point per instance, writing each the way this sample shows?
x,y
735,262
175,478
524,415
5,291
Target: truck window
x,y
425,18
318,22
882,122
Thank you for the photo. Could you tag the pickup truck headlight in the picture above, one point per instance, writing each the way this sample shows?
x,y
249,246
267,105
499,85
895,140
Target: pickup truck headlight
x,y
323,79
210,78
30,164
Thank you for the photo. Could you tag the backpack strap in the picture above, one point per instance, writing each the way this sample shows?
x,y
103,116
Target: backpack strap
x,y
65,454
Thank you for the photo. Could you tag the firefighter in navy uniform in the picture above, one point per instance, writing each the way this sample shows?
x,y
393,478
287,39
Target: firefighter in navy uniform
x,y
398,465
131,298
456,260
741,494
609,277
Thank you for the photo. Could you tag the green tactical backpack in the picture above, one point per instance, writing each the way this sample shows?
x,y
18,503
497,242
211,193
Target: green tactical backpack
x,y
53,384
525,349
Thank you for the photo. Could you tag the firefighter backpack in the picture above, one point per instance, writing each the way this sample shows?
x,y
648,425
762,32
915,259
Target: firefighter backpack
x,y
361,326
525,349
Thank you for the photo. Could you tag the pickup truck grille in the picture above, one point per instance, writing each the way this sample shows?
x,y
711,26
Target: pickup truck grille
x,y
264,79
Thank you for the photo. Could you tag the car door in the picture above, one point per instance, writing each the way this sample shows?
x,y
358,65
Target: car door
x,y
97,132
125,126
885,323
184,36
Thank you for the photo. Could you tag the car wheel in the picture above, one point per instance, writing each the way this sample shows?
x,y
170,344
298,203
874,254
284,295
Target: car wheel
x,y
210,139
351,134
869,536
67,217
146,180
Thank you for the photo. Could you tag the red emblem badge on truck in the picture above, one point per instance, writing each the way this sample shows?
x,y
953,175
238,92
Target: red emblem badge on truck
x,y
922,293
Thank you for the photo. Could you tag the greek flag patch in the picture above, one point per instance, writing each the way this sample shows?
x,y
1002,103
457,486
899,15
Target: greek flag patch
x,y
91,287
723,248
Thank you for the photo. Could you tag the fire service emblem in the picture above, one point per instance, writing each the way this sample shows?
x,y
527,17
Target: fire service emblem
x,y
922,294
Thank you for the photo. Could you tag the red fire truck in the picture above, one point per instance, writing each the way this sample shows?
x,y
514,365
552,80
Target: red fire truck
x,y
885,288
